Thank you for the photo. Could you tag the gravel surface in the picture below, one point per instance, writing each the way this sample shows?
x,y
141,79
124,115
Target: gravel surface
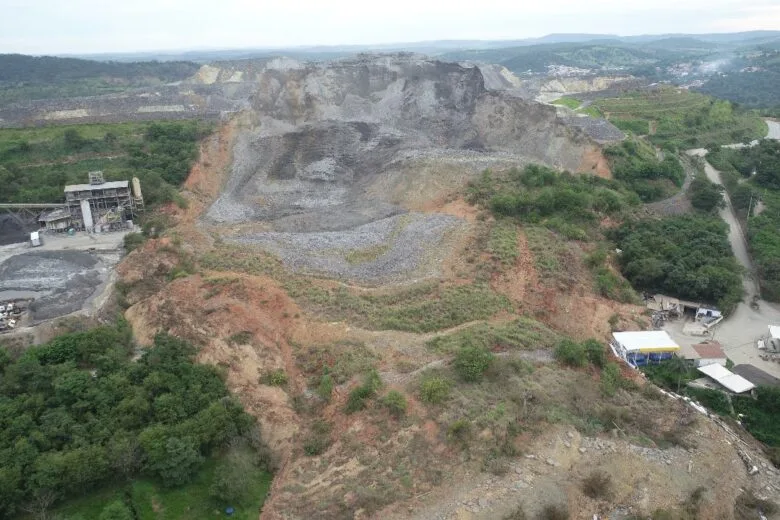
x,y
318,166
63,280
600,130
390,249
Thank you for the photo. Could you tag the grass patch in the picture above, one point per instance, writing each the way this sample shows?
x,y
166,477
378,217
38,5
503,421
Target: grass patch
x,y
520,334
422,308
502,244
276,377
240,338
151,500
365,255
568,102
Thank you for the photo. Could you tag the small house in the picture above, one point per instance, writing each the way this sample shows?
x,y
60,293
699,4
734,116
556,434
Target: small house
x,y
705,353
640,348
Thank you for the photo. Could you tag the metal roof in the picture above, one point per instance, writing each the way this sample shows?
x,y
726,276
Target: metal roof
x,y
88,187
57,214
646,341
710,350
727,378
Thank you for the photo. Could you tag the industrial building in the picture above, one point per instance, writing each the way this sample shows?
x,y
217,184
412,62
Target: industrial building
x,y
643,347
96,207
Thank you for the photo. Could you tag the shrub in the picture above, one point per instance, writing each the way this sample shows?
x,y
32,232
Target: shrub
x,y
472,362
274,378
315,445
459,430
554,512
594,350
358,396
240,338
395,402
571,353
133,241
357,399
597,485
435,390
325,388
319,440
610,379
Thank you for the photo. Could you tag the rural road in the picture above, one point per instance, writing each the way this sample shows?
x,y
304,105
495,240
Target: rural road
x,y
739,332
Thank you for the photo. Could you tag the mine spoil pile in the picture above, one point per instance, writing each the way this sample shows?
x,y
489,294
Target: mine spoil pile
x,y
332,140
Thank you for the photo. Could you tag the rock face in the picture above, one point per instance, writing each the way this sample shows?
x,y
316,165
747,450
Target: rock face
x,y
337,149
324,131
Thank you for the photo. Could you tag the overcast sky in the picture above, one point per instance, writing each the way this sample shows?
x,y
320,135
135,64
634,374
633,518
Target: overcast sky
x,y
93,26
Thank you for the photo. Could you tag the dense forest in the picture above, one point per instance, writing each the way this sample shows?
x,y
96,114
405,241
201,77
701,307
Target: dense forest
x,y
35,164
688,257
24,78
752,174
77,413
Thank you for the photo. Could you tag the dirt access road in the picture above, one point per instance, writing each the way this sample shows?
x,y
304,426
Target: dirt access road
x,y
739,332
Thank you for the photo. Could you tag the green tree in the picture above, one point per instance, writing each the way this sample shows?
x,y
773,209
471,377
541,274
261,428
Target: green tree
x,y
116,510
231,480
73,140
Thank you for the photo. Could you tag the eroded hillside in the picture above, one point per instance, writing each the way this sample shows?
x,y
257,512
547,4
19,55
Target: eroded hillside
x,y
339,157
413,376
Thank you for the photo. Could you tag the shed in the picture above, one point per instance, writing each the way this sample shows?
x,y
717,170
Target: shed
x,y
643,347
727,379
57,220
706,353
35,239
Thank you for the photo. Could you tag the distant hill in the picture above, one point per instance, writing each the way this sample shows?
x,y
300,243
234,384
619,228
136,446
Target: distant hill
x,y
18,68
24,78
433,48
